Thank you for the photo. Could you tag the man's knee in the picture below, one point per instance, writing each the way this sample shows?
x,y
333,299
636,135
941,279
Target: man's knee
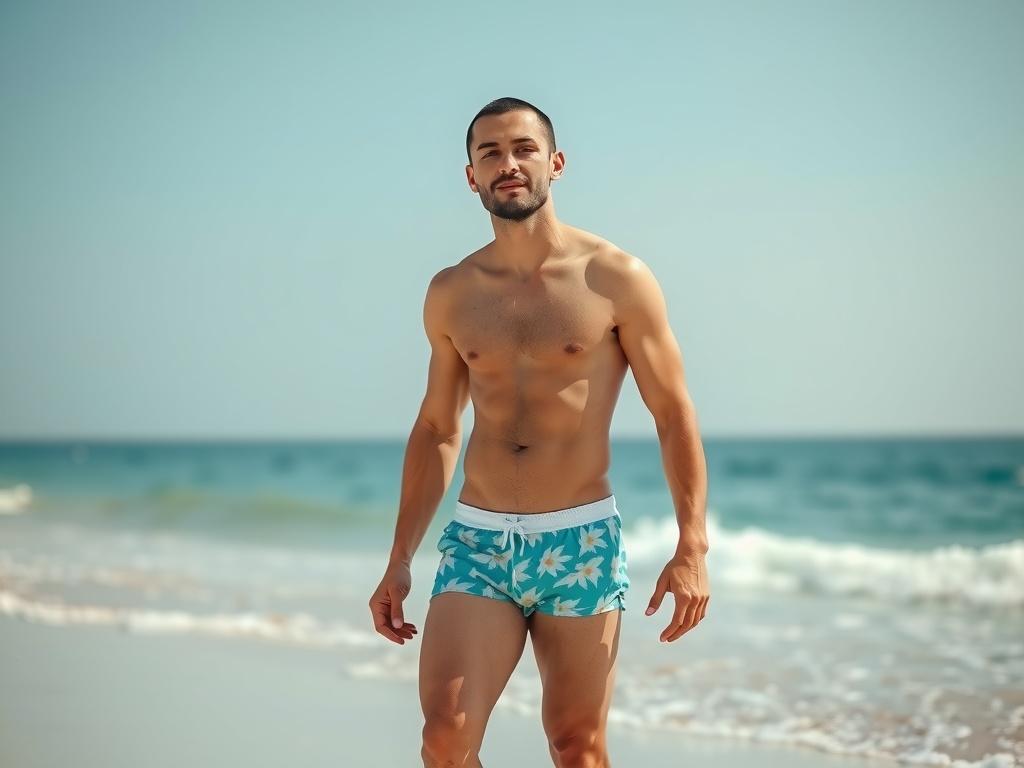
x,y
448,742
582,746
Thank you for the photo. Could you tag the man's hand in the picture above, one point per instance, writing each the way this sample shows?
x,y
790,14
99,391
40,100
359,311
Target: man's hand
x,y
386,603
687,577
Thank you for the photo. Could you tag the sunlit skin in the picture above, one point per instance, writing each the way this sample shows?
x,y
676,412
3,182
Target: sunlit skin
x,y
528,164
529,261
538,328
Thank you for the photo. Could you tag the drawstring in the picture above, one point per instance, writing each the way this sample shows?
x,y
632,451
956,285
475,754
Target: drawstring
x,y
512,527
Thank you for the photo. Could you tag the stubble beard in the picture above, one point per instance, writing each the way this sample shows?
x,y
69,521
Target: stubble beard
x,y
515,208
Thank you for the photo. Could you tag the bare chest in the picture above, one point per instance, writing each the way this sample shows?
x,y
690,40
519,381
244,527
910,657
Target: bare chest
x,y
554,324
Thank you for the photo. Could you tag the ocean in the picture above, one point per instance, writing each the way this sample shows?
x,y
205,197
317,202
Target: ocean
x,y
867,595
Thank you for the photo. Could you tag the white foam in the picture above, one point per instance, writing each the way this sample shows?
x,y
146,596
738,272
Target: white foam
x,y
291,628
763,715
755,558
14,501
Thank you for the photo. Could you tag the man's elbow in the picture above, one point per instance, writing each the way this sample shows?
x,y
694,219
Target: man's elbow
x,y
677,412
449,432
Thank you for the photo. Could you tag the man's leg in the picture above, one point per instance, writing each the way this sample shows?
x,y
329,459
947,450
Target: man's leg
x,y
576,658
471,645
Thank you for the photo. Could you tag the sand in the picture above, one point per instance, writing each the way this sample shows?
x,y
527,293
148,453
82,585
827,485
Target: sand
x,y
103,697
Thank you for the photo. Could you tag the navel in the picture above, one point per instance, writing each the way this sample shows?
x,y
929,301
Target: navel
x,y
572,348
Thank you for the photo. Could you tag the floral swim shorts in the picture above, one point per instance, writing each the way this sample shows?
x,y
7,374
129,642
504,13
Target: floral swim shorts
x,y
569,562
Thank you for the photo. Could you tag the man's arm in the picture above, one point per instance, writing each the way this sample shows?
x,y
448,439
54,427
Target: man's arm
x,y
430,459
657,364
436,439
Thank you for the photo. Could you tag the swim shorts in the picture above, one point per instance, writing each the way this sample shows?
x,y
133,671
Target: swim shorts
x,y
569,562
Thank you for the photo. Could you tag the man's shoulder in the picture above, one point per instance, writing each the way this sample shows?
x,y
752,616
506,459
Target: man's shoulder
x,y
447,278
615,271
600,251
445,285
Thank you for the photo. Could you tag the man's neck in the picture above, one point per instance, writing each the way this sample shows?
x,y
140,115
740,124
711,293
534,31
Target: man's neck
x,y
525,246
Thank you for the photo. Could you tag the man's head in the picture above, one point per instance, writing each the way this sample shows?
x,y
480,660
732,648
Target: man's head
x,y
503,106
512,158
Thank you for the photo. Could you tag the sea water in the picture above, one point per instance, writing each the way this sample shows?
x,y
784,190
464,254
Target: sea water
x,y
867,595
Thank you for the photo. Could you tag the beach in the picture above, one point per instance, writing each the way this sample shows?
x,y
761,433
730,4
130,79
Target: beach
x,y
207,605
99,696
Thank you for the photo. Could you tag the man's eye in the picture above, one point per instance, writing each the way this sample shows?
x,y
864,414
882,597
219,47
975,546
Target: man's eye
x,y
522,149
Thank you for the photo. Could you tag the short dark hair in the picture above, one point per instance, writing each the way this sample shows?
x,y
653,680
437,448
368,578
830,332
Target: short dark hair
x,y
509,104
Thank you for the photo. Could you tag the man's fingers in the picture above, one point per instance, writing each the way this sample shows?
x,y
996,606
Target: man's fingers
x,y
677,615
688,620
682,618
397,617
398,622
381,612
381,624
659,593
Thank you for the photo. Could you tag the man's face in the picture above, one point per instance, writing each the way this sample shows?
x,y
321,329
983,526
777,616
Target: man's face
x,y
512,164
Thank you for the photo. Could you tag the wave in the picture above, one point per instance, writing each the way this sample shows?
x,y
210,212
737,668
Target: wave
x,y
753,557
15,500
299,629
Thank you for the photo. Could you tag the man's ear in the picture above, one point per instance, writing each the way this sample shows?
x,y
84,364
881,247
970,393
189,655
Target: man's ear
x,y
559,165
470,179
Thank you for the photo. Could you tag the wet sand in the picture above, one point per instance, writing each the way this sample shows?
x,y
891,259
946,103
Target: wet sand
x,y
105,698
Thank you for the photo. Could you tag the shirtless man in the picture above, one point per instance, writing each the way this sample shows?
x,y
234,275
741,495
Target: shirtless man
x,y
537,327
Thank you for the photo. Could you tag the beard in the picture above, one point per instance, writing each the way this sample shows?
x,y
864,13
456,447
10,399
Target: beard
x,y
524,205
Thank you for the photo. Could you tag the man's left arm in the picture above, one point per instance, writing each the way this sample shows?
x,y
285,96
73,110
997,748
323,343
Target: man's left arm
x,y
657,364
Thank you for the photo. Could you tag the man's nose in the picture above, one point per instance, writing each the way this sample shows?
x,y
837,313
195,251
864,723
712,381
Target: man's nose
x,y
508,165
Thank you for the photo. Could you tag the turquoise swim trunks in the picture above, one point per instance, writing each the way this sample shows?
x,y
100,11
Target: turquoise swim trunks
x,y
569,562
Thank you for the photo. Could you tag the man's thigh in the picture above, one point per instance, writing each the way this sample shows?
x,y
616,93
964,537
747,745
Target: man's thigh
x,y
471,645
576,658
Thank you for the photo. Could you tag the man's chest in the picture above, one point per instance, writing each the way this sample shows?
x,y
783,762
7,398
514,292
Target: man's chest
x,y
557,324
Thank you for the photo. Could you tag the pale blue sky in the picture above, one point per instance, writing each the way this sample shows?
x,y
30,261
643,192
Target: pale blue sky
x,y
219,219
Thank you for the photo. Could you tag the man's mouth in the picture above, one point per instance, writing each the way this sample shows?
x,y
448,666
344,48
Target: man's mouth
x,y
511,185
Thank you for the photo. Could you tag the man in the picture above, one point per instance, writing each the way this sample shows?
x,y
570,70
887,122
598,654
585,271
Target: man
x,y
538,327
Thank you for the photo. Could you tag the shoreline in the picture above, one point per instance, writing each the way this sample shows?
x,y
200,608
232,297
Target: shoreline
x,y
100,696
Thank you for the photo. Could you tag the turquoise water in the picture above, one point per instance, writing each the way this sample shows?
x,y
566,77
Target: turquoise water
x,y
867,595
915,494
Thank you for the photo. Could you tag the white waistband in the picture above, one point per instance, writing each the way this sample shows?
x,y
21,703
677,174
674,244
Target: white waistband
x,y
538,522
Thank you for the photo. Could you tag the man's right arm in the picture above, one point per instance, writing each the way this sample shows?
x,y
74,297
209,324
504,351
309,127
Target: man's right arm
x,y
436,438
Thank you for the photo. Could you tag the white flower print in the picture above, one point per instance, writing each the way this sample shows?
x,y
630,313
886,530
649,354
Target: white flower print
x,y
468,537
533,538
529,598
492,559
615,565
613,527
495,586
605,601
498,540
551,561
456,586
519,572
584,572
590,539
447,561
565,607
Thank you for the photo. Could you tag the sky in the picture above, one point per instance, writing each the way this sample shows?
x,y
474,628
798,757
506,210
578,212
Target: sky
x,y
219,219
